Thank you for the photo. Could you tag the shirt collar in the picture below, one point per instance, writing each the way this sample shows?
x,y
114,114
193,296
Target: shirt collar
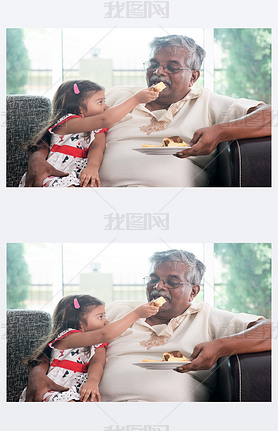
x,y
168,114
168,329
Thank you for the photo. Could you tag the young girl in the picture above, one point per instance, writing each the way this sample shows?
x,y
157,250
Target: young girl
x,y
79,336
75,133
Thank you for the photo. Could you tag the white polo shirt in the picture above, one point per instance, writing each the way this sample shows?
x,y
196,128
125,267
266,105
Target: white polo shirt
x,y
122,166
123,381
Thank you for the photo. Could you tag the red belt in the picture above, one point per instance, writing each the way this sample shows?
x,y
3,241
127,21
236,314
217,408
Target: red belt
x,y
71,151
69,365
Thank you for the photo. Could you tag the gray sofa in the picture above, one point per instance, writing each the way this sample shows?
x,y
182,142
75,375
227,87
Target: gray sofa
x,y
239,378
26,116
25,332
245,163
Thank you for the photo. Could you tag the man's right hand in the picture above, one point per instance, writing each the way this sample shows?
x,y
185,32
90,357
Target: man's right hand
x,y
39,169
37,387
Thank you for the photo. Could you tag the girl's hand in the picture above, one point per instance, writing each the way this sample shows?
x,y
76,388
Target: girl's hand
x,y
89,392
146,96
89,177
146,310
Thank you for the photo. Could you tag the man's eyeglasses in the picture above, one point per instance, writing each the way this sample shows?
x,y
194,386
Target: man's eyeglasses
x,y
169,68
169,283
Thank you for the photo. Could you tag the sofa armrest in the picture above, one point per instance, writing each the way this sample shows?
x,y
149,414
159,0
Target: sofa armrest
x,y
26,329
245,377
25,117
244,163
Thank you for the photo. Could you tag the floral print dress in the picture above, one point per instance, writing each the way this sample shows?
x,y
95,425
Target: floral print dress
x,y
67,368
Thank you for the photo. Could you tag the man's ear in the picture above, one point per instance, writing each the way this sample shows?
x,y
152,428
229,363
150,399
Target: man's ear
x,y
195,289
194,76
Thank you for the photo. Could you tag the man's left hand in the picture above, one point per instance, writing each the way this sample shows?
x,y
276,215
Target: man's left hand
x,y
204,141
204,356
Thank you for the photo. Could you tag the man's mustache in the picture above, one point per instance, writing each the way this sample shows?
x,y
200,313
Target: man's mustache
x,y
155,78
155,293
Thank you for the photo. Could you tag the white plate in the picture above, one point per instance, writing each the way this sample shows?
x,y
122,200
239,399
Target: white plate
x,y
163,365
158,151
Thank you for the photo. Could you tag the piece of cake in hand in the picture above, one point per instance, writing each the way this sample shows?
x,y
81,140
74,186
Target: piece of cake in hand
x,y
158,87
174,356
174,141
159,301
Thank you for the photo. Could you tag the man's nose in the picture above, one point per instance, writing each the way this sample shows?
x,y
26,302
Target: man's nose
x,y
160,71
160,285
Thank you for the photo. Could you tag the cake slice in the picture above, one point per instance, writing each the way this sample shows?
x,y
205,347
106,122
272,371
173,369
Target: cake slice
x,y
159,87
174,141
159,301
174,356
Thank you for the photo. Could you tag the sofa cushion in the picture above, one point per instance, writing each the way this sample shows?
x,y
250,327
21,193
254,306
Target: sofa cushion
x,y
244,163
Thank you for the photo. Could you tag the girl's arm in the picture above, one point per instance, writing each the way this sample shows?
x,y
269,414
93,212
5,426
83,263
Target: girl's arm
x,y
108,332
89,391
108,117
89,176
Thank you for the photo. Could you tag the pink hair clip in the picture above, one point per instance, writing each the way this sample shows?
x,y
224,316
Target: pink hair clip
x,y
76,89
76,303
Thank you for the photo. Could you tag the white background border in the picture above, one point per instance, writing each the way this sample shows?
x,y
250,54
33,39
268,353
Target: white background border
x,y
195,215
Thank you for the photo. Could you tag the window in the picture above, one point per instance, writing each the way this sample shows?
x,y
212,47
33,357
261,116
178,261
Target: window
x,y
39,274
107,56
242,277
238,61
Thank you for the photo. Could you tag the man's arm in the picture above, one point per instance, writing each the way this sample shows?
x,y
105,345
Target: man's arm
x,y
39,383
255,124
39,168
257,338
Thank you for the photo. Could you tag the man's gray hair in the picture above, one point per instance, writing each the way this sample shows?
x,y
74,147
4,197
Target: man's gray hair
x,y
197,54
196,268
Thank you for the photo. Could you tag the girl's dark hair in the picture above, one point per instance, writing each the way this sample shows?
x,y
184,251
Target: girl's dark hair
x,y
65,101
65,316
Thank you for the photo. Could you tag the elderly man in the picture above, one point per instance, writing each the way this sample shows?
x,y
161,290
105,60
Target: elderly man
x,y
199,331
199,117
